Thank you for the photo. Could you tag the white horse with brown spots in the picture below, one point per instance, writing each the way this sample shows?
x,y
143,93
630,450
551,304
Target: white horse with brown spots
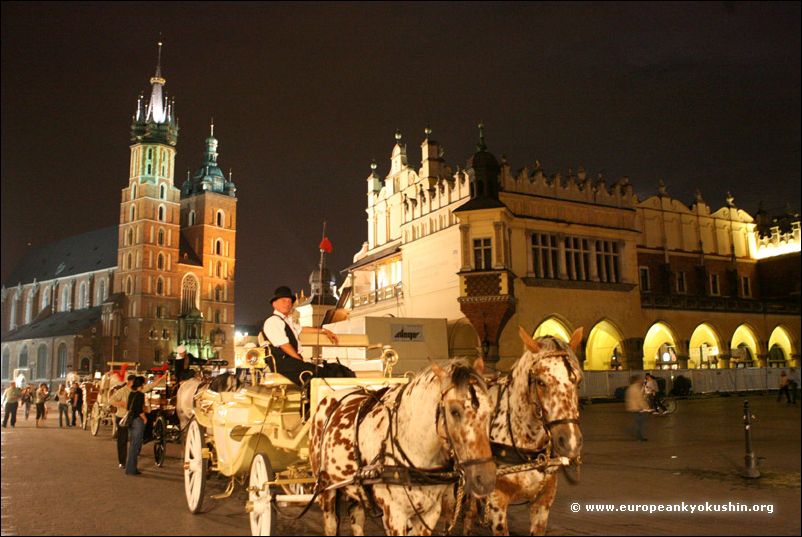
x,y
365,446
536,419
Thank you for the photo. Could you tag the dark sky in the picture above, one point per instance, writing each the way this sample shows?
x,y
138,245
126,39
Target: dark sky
x,y
304,96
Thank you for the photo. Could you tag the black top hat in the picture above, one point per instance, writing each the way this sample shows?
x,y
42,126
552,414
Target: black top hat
x,y
282,292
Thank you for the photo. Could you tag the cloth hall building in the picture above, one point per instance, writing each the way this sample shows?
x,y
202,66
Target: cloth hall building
x,y
133,291
655,283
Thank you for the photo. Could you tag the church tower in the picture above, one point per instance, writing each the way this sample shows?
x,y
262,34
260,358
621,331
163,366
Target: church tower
x,y
149,234
209,223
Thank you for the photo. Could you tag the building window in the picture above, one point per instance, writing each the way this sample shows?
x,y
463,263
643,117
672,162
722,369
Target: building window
x,y
132,215
482,257
6,366
645,282
101,292
160,312
160,262
577,258
129,237
160,237
41,362
219,269
220,218
133,191
191,218
189,292
128,262
65,298
62,360
161,213
129,286
22,362
29,307
544,255
159,286
218,294
218,247
746,287
714,287
217,316
83,296
608,261
45,297
682,287
162,192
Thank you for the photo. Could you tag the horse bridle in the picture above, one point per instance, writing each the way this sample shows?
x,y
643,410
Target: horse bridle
x,y
539,413
441,410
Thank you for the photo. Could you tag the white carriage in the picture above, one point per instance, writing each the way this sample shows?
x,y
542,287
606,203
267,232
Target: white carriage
x,y
259,436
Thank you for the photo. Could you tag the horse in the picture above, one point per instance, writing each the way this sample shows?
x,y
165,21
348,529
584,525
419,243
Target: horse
x,y
185,396
536,418
383,446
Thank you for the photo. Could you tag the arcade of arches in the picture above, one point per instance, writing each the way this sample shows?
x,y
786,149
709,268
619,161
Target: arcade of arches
x,y
663,347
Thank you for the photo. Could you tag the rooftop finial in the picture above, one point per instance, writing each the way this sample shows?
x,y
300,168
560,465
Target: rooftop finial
x,y
481,145
427,131
398,136
230,173
373,165
211,130
730,199
157,78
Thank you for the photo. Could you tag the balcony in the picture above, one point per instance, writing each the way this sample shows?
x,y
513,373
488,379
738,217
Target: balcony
x,y
379,295
714,303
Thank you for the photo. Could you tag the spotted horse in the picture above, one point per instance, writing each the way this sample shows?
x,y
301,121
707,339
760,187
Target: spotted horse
x,y
401,449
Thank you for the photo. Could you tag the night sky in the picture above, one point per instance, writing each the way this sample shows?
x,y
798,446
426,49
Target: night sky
x,y
305,96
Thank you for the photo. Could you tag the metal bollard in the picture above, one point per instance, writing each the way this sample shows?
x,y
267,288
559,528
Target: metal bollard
x,y
750,460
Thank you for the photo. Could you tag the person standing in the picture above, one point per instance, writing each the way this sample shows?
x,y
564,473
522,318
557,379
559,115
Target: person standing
x,y
636,403
787,387
77,400
136,433
119,399
282,334
63,399
11,399
40,397
27,399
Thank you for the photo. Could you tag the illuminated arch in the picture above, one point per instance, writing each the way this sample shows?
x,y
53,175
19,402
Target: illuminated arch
x,y
704,347
659,337
781,346
604,342
463,339
553,326
744,346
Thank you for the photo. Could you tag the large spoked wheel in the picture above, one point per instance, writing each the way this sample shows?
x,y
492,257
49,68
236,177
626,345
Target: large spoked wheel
x,y
159,441
260,496
95,419
194,471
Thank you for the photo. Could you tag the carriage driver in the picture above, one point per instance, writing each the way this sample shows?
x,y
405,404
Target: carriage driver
x,y
282,333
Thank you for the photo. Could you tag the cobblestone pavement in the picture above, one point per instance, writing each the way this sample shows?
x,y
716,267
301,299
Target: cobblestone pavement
x,y
66,482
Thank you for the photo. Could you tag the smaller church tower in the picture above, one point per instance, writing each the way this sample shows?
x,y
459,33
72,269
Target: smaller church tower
x,y
149,232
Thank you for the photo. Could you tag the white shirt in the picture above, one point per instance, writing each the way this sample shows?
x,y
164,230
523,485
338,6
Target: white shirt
x,y
274,330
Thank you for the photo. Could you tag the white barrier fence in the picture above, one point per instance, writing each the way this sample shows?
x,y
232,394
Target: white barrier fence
x,y
604,383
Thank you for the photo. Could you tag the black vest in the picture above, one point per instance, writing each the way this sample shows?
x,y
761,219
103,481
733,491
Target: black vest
x,y
277,351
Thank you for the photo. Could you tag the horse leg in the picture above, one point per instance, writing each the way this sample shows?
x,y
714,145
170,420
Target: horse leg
x,y
357,514
497,513
540,505
328,505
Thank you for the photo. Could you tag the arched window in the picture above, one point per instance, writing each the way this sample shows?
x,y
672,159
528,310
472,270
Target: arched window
x,y
217,316
160,238
221,219
45,297
161,213
101,291
189,294
129,237
132,214
163,192
191,218
160,262
129,285
12,318
6,365
218,293
62,360
159,286
41,362
219,269
83,296
65,297
22,362
133,191
29,307
128,261
218,247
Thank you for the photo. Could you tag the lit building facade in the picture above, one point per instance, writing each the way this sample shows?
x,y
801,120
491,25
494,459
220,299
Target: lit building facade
x,y
653,282
132,292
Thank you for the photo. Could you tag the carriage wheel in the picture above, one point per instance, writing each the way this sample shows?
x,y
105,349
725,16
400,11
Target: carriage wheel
x,y
194,471
260,499
95,419
159,441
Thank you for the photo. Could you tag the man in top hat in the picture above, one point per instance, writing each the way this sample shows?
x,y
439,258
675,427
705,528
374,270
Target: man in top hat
x,y
183,360
283,333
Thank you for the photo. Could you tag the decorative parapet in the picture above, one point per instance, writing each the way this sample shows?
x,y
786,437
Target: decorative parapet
x,y
778,243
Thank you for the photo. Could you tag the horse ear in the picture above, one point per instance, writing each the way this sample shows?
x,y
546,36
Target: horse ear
x,y
442,375
479,365
576,338
529,343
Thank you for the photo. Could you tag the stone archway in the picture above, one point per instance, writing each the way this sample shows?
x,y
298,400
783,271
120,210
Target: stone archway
x,y
553,326
604,347
463,341
781,348
660,347
744,348
704,348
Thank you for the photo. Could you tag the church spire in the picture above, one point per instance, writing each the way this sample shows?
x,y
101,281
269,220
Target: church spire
x,y
156,108
155,121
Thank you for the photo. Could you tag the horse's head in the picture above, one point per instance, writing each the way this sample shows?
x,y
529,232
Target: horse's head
x,y
464,422
549,375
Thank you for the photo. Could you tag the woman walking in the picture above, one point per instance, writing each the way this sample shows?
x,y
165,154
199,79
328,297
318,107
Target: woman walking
x,y
27,399
40,397
136,429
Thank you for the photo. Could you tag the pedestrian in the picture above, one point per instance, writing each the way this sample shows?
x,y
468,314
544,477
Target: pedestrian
x,y
63,399
11,397
77,400
636,404
27,399
136,432
787,387
40,397
119,399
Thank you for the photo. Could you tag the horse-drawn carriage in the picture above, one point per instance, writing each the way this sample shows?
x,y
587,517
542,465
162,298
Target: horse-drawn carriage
x,y
102,412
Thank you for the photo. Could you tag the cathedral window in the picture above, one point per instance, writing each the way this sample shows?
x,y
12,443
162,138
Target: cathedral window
x,y
6,364
189,293
161,213
218,294
220,218
191,219
159,286
129,237
65,298
101,292
132,214
62,360
218,247
133,191
45,297
163,191
129,285
161,237
160,262
219,270
41,362
12,320
23,358
83,295
29,307
128,262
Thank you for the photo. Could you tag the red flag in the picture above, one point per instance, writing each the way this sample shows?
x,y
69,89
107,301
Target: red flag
x,y
325,245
